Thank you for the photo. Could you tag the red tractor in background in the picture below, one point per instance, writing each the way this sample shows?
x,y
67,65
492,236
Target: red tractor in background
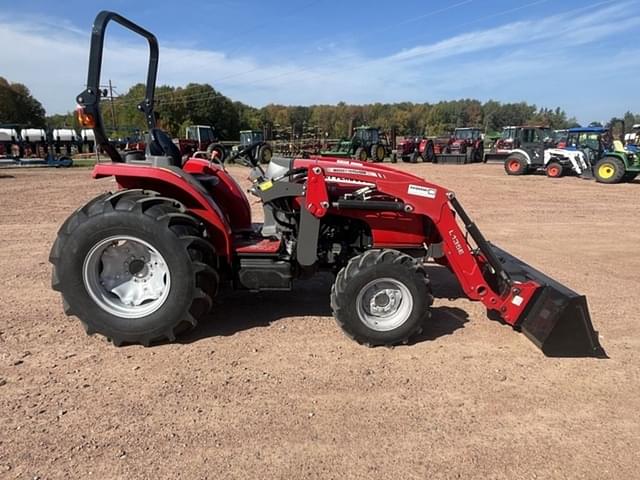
x,y
199,138
464,141
144,263
415,149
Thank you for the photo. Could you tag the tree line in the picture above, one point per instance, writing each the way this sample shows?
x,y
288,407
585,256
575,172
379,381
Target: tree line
x,y
18,106
178,107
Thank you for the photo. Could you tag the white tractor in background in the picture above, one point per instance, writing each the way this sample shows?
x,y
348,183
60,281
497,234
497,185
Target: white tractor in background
x,y
533,152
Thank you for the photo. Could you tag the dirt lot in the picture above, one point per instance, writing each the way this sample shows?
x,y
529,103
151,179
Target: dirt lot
x,y
270,388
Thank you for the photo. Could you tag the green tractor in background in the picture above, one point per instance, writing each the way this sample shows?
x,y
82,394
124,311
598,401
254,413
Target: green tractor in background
x,y
612,161
367,143
263,152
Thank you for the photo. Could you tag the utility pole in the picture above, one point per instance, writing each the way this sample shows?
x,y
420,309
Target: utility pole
x,y
113,112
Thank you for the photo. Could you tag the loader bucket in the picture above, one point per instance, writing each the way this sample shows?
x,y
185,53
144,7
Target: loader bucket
x,y
557,319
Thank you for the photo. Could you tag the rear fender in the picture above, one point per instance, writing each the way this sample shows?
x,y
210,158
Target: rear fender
x,y
620,156
176,184
523,153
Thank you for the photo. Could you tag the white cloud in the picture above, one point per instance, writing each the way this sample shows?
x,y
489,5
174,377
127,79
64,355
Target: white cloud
x,y
525,60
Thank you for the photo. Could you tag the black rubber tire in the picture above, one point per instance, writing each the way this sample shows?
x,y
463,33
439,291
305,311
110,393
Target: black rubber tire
x,y
378,152
369,266
618,166
510,165
554,170
478,154
222,153
429,154
163,223
361,154
413,158
265,154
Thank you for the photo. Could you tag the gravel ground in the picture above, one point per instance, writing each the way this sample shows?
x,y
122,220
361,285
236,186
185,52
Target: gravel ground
x,y
269,387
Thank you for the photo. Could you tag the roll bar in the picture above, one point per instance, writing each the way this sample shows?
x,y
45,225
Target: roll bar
x,y
89,99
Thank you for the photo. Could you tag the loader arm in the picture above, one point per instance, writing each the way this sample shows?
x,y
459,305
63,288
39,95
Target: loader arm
x,y
551,315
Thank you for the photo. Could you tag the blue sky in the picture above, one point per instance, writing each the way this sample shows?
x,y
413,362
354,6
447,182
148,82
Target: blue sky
x,y
579,55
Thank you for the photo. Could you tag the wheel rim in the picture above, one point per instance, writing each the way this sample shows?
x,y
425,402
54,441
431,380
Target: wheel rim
x,y
384,304
514,165
363,156
266,156
606,170
126,277
554,171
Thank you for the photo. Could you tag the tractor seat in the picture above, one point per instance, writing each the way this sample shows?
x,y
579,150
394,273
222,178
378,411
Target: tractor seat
x,y
134,156
161,146
618,146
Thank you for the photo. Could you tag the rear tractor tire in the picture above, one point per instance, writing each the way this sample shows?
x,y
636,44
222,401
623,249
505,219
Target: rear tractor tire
x,y
478,154
220,151
265,154
429,154
609,170
469,155
515,165
134,266
382,297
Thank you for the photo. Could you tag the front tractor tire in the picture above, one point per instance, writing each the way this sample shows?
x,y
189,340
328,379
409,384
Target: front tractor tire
x,y
554,170
378,152
382,297
134,266
516,165
361,154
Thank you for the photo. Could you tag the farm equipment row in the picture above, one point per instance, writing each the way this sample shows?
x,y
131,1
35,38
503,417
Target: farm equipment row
x,y
144,263
371,144
590,152
37,147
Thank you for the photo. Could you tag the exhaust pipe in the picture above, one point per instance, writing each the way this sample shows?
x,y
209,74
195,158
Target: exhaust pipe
x,y
556,319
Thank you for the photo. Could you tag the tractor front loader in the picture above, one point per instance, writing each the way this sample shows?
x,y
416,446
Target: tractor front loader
x,y
144,263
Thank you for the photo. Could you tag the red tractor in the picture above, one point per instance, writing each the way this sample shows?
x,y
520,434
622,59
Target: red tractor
x,y
464,141
415,149
200,138
144,263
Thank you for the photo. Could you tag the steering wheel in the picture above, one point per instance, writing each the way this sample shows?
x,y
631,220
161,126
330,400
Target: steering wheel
x,y
245,152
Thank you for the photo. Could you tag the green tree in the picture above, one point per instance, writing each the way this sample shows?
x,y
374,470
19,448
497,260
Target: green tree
x,y
17,105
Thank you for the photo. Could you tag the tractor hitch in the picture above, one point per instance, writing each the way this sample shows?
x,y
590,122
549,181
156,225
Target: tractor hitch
x,y
556,319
